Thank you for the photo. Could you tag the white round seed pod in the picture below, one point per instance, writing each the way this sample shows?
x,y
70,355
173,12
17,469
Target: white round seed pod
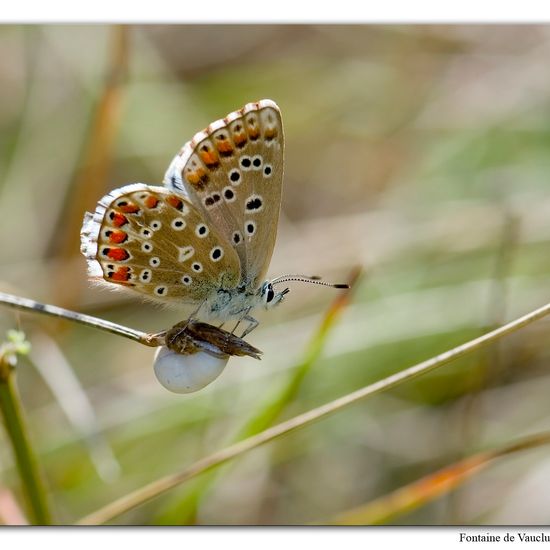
x,y
186,373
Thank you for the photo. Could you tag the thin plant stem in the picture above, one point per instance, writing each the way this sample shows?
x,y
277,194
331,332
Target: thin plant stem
x,y
166,483
27,304
493,361
27,464
420,492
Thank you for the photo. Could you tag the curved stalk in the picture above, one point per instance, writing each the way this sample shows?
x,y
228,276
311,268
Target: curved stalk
x,y
166,483
25,458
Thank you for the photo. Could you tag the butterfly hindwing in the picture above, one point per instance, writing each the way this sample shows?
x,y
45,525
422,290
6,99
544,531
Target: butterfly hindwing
x,y
154,241
232,172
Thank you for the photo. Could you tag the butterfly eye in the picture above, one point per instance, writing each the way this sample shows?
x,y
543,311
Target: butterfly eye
x,y
268,293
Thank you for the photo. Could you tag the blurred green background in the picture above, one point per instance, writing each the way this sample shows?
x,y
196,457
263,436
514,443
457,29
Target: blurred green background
x,y
419,152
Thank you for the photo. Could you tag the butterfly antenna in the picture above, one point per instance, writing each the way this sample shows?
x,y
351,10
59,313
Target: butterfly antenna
x,y
315,280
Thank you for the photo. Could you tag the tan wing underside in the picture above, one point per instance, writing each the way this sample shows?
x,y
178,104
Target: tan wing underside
x,y
249,143
155,242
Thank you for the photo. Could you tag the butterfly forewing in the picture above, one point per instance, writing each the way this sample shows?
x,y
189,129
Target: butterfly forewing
x,y
156,242
232,172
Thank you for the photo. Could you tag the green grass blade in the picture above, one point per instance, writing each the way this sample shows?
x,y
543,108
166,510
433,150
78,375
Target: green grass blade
x,y
25,458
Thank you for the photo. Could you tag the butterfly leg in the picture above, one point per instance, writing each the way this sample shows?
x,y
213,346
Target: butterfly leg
x,y
252,324
235,327
192,316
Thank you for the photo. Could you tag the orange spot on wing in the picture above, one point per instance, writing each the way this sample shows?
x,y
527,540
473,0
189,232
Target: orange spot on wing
x,y
151,201
270,133
174,201
130,208
224,147
253,133
240,139
119,219
210,158
118,254
122,274
117,236
197,178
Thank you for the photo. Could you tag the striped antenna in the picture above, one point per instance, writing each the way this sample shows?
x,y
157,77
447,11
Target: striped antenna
x,y
306,279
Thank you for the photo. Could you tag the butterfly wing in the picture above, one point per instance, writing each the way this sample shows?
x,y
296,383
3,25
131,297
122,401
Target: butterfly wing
x,y
154,241
233,172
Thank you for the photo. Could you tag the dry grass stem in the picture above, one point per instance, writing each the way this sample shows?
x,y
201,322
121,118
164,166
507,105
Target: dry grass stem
x,y
164,484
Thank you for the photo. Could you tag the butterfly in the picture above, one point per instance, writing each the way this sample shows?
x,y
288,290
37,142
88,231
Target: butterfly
x,y
204,239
